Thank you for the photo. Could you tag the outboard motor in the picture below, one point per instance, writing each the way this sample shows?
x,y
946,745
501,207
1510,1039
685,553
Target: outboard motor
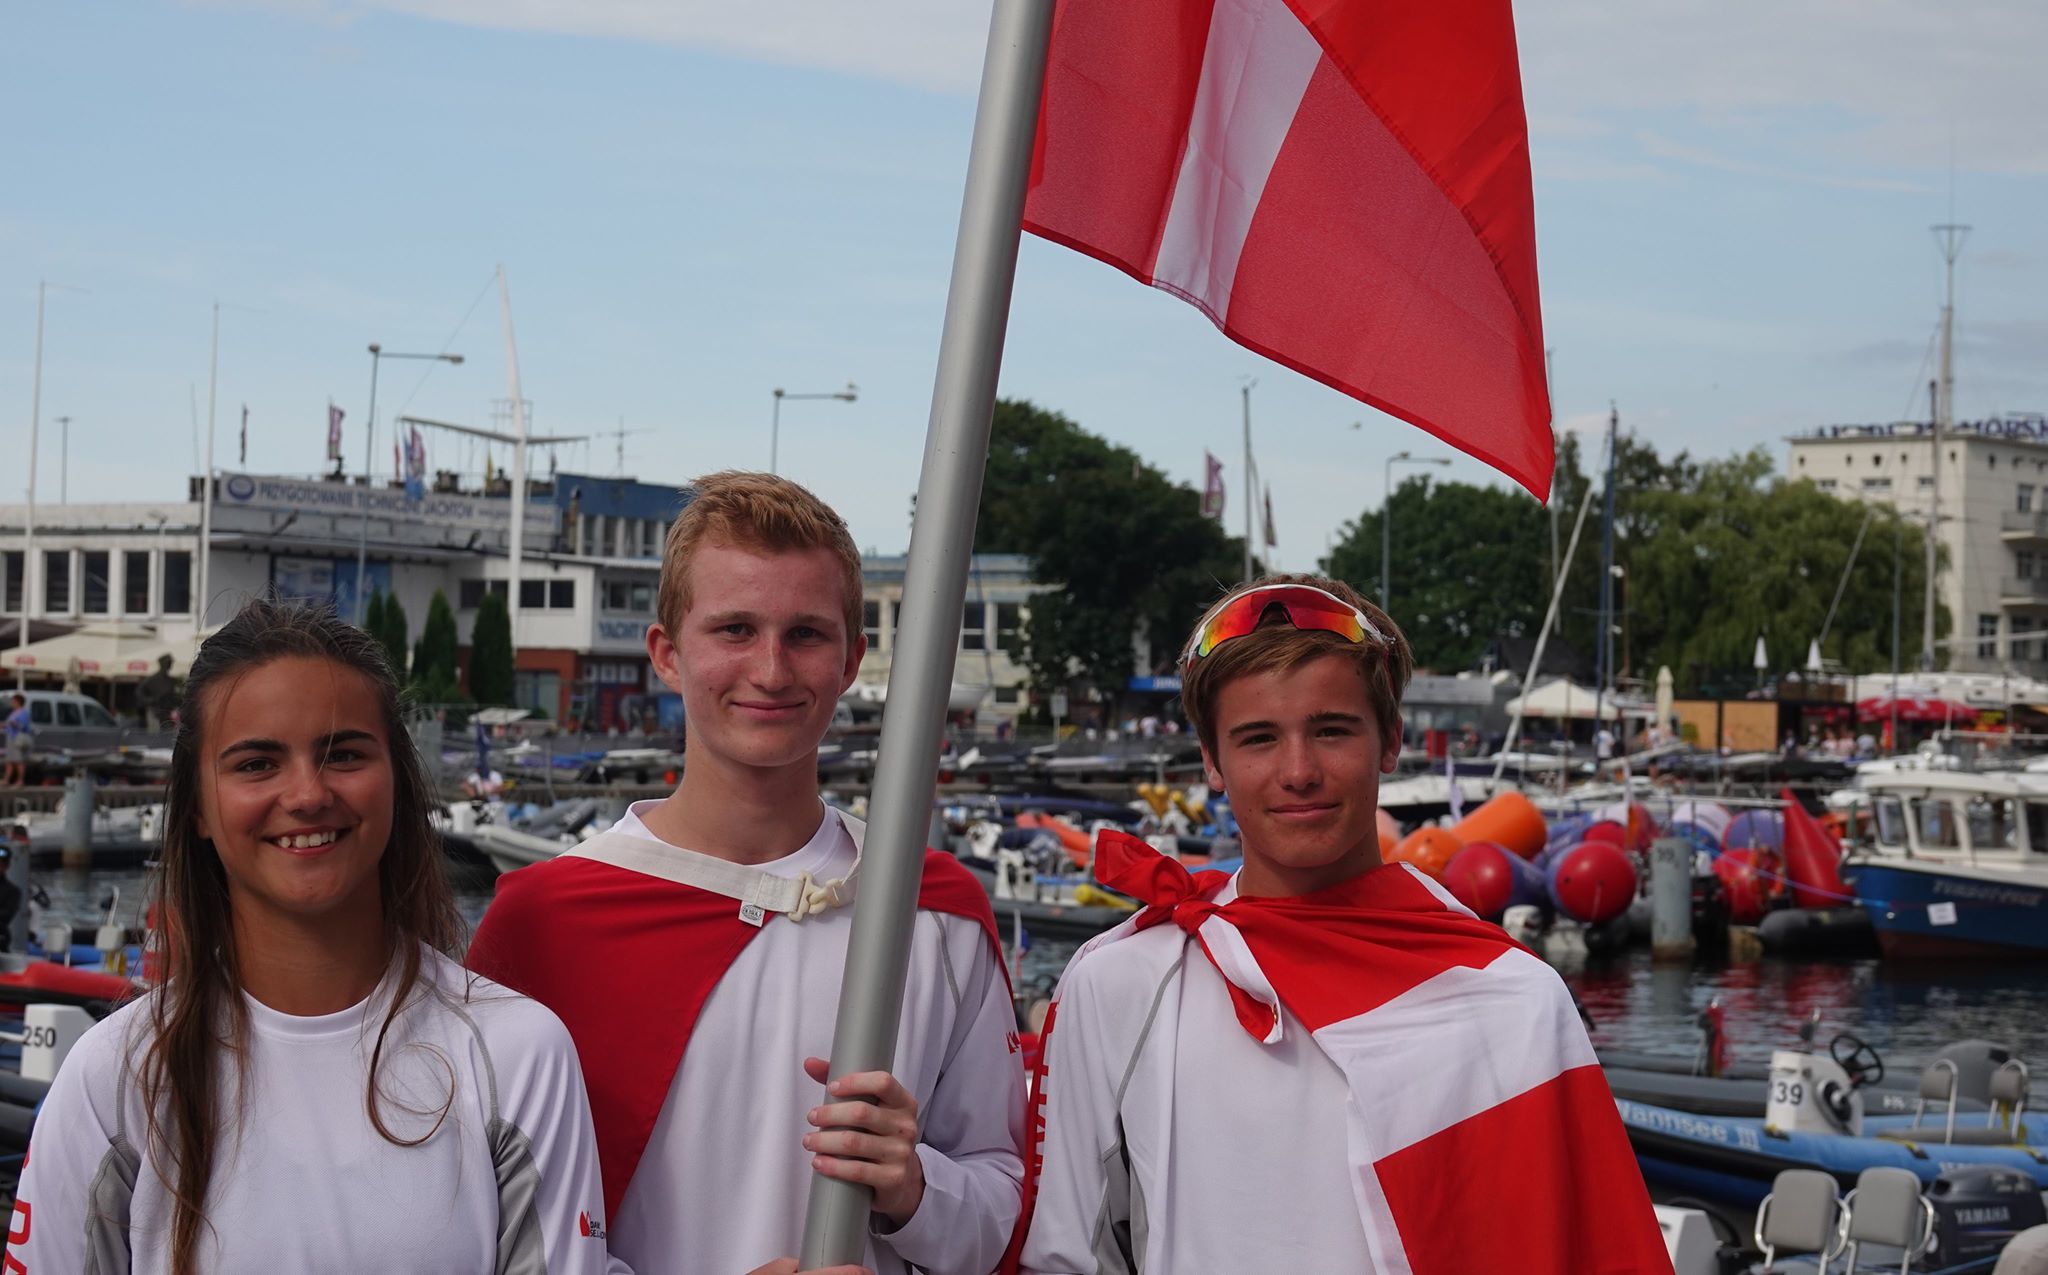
x,y
1977,1211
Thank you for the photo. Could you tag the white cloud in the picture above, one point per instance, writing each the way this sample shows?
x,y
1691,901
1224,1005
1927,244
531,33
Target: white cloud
x,y
925,43
1897,83
1902,83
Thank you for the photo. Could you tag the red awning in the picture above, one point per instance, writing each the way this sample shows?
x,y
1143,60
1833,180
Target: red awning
x,y
1915,708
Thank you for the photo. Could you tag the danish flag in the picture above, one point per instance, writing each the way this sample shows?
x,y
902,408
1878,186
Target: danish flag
x,y
1340,185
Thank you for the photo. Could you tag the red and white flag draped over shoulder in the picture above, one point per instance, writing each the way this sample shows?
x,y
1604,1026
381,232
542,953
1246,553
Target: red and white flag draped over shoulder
x,y
1483,1134
1340,185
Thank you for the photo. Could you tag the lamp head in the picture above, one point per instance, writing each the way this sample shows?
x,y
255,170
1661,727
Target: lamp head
x,y
375,349
455,359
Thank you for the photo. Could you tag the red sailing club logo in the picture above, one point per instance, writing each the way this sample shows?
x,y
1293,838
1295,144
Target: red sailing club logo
x,y
584,1226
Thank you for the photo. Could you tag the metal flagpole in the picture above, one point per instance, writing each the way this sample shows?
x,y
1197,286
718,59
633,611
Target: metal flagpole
x,y
935,585
1248,571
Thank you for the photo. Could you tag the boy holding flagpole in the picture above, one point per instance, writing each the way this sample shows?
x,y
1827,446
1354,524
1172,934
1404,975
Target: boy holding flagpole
x,y
696,950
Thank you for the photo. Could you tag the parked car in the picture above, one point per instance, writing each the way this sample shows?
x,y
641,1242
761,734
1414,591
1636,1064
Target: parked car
x,y
69,723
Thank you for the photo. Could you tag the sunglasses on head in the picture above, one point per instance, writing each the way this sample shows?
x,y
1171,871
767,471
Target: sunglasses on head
x,y
1303,605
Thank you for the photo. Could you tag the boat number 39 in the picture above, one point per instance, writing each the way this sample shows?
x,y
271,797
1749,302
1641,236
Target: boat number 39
x,y
1788,1091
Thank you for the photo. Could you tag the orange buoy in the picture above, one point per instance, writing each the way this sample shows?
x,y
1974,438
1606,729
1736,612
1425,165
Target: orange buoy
x,y
1429,849
1509,820
1390,834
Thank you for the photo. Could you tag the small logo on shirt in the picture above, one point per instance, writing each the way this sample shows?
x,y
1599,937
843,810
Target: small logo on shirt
x,y
585,1226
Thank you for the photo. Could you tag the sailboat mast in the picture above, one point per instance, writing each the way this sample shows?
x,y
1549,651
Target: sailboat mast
x,y
1949,238
1604,645
518,539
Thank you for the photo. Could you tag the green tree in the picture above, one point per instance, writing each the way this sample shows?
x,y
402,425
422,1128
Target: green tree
x,y
435,676
1470,564
393,635
490,652
1711,555
1129,546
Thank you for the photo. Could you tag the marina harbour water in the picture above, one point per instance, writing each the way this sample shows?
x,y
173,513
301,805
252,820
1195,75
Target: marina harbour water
x,y
1905,1011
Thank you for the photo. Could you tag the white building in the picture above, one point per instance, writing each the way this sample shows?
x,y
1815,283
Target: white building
x,y
999,593
587,589
579,640
1992,480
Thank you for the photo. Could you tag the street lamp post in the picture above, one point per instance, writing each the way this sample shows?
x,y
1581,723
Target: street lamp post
x,y
377,355
1387,522
847,395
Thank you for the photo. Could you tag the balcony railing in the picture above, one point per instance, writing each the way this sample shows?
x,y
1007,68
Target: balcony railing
x,y
2014,525
2017,592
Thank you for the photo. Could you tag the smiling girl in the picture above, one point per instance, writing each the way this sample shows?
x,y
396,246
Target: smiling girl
x,y
317,1085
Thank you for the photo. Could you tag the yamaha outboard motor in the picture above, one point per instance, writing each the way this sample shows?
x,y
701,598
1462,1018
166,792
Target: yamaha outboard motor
x,y
1977,1211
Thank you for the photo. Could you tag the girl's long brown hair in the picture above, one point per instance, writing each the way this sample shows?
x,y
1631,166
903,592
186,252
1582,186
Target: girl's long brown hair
x,y
198,1014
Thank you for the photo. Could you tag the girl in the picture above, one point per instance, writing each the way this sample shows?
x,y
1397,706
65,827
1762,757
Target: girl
x,y
317,1085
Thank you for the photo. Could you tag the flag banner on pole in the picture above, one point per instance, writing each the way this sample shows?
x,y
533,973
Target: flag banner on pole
x,y
1340,185
1272,538
415,466
334,415
244,459
1212,488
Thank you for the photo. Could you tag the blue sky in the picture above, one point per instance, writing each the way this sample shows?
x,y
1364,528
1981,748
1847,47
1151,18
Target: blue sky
x,y
696,202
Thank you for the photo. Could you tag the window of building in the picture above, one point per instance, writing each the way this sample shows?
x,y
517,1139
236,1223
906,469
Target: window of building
x,y
1009,622
2023,564
561,595
1802,462
98,588
1877,459
1925,482
974,627
871,623
1009,694
635,596
135,582
1987,637
56,581
1992,461
1877,484
471,592
2026,498
11,563
650,538
533,595
178,582
1826,484
2022,648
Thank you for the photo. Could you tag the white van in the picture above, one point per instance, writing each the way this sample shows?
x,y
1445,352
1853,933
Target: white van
x,y
67,722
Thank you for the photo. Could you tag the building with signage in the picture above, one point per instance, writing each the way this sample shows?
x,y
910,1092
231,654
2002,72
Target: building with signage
x,y
1991,480
592,549
586,591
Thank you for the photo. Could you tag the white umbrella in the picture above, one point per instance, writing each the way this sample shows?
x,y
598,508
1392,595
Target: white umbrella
x,y
111,649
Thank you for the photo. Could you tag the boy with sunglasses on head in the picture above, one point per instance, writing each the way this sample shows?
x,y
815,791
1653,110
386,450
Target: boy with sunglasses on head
x,y
1322,1062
